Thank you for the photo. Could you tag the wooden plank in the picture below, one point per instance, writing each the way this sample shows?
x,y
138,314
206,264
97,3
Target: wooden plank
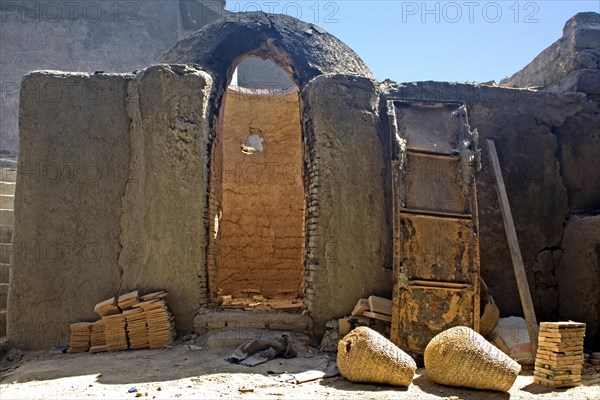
x,y
440,284
440,242
375,315
432,153
361,306
432,185
515,252
437,214
380,305
426,231
344,327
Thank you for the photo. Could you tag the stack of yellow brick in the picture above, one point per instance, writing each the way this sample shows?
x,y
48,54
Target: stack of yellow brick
x,y
559,359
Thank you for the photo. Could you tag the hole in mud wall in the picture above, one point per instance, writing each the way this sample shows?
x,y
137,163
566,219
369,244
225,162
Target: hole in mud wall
x,y
260,263
252,144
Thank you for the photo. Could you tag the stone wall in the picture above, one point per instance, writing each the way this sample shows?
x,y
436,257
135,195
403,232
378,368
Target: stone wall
x,y
571,64
111,196
263,194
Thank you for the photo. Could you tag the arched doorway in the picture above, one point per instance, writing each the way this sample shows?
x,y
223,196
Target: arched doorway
x,y
257,193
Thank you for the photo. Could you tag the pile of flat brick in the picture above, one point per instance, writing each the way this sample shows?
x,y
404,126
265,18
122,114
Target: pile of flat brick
x,y
128,322
98,337
559,358
80,337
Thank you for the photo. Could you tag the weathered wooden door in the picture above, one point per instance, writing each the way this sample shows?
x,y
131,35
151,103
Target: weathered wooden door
x,y
436,238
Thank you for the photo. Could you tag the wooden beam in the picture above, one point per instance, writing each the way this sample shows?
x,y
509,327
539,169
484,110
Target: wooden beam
x,y
375,315
361,306
380,305
515,252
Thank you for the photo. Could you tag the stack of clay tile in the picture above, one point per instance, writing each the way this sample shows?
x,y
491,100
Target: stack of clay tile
x,y
137,330
128,300
98,337
114,332
559,359
107,307
80,337
158,318
126,323
114,324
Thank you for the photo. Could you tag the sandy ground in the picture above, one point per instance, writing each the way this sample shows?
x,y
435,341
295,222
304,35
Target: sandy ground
x,y
180,372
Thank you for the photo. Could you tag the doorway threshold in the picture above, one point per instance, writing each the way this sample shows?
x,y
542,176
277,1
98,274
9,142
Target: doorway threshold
x,y
238,319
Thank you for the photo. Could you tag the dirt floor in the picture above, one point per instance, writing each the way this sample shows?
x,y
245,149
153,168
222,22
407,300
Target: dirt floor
x,y
196,369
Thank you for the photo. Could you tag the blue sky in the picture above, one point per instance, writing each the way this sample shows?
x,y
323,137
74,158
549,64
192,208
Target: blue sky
x,y
454,41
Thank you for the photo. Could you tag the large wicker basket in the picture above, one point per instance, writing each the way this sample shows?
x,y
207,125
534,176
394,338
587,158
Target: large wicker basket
x,y
460,356
490,317
491,314
366,356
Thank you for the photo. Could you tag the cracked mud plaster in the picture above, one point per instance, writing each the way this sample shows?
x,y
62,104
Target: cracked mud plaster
x,y
544,146
352,241
48,292
163,214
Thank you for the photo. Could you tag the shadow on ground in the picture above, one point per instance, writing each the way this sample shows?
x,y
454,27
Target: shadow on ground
x,y
177,362
428,386
342,384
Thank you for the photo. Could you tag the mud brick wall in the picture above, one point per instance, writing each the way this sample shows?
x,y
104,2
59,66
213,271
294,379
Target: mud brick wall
x,y
86,35
549,149
111,196
215,214
262,224
73,168
348,234
164,222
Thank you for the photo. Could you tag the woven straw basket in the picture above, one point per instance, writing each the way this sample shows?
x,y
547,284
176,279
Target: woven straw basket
x,y
490,317
491,314
460,356
366,356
